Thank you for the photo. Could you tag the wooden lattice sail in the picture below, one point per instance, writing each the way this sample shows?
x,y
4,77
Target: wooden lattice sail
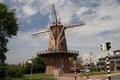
x,y
57,40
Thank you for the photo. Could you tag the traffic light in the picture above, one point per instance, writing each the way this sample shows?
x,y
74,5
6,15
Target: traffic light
x,y
108,46
105,46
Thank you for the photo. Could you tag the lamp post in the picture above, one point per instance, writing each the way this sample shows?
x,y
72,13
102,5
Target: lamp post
x,y
90,58
75,68
30,61
115,65
95,63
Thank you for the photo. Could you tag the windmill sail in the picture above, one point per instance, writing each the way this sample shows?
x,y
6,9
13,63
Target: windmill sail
x,y
57,52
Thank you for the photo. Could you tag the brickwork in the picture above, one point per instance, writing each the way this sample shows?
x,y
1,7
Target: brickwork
x,y
57,53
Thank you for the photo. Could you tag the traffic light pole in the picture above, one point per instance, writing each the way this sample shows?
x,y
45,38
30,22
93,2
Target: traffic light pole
x,y
105,47
75,70
108,65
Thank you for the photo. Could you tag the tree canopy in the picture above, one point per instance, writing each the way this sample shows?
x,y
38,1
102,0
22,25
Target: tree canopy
x,y
8,28
37,64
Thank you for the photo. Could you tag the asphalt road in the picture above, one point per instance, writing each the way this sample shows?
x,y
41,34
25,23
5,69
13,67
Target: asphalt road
x,y
113,78
116,77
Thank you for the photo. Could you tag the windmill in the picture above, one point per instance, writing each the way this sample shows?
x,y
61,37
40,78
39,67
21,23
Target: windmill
x,y
57,55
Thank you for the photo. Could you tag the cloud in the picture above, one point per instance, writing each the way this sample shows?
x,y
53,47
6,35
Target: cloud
x,y
24,46
29,10
101,17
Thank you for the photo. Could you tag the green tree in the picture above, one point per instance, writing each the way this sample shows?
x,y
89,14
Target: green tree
x,y
37,66
27,68
14,71
8,28
79,61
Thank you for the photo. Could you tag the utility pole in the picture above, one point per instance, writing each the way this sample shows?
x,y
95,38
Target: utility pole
x,y
90,58
30,61
108,65
106,47
75,68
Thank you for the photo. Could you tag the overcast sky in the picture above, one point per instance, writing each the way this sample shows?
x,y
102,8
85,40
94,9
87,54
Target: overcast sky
x,y
102,18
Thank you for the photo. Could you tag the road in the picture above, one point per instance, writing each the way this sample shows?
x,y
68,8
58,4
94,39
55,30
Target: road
x,y
72,78
114,78
96,77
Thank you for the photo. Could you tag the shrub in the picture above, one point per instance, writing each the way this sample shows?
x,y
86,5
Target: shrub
x,y
2,72
14,71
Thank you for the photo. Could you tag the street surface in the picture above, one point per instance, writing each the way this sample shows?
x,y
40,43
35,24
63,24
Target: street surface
x,y
70,76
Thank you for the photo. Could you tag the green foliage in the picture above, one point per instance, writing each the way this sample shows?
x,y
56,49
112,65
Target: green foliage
x,y
9,21
40,76
79,61
37,66
8,28
93,73
14,71
93,69
27,68
6,78
2,70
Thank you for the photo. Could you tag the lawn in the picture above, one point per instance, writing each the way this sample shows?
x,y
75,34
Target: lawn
x,y
93,73
97,73
40,76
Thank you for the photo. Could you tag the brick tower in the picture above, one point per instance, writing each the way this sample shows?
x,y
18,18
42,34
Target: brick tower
x,y
57,56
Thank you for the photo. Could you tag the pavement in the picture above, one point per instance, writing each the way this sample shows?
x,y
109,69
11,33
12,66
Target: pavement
x,y
70,76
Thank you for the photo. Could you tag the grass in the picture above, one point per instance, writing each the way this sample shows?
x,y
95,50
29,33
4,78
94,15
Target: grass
x,y
99,73
93,73
43,76
39,76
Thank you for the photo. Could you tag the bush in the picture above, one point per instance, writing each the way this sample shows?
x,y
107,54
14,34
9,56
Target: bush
x,y
37,66
92,69
2,72
14,71
6,78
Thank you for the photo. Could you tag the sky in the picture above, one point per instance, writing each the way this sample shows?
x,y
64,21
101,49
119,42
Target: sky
x,y
102,19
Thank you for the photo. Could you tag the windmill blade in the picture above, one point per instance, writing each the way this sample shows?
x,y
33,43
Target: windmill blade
x,y
75,25
54,14
40,33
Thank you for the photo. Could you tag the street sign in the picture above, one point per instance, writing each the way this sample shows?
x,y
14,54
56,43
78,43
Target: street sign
x,y
62,65
87,70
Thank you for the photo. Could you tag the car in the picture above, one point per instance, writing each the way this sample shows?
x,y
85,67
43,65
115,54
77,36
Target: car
x,y
82,70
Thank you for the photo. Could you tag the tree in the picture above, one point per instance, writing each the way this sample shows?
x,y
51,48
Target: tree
x,y
79,61
14,71
8,28
37,64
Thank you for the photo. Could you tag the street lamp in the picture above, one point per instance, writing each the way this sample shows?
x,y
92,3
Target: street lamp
x,y
75,68
95,63
90,58
30,61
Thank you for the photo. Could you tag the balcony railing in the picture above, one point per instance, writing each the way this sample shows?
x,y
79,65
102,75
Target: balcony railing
x,y
46,51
